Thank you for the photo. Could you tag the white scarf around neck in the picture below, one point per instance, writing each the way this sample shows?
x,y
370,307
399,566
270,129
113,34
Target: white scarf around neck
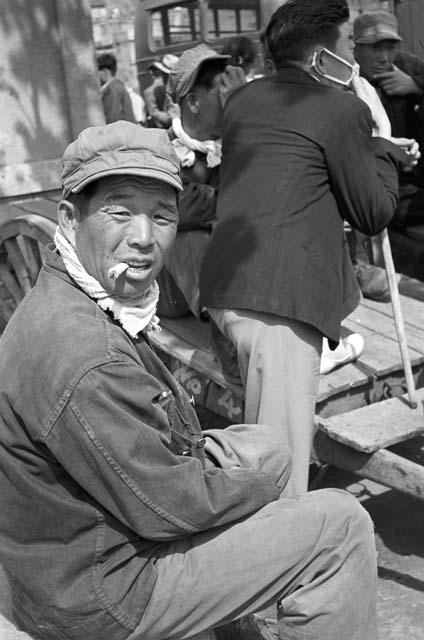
x,y
135,315
185,147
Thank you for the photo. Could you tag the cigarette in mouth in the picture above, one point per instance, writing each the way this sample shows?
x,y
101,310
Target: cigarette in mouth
x,y
117,270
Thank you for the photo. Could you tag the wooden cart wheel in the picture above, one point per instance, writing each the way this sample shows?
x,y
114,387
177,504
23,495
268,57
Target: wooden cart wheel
x,y
22,242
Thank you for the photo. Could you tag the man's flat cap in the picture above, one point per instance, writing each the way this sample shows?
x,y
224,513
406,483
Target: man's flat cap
x,y
119,148
374,26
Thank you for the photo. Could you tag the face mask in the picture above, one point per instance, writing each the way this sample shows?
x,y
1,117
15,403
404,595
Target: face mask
x,y
338,69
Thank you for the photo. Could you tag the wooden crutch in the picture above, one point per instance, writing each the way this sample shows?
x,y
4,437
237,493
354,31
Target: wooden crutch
x,y
398,317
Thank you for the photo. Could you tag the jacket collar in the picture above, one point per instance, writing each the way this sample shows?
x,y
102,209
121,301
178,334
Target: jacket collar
x,y
53,263
291,73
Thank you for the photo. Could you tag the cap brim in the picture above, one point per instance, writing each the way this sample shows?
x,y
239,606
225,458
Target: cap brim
x,y
143,172
179,91
373,38
196,72
160,66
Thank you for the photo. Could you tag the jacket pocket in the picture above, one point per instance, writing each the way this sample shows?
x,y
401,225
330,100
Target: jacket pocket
x,y
183,438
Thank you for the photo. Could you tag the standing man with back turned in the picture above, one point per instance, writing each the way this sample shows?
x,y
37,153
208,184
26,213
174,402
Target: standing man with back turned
x,y
298,159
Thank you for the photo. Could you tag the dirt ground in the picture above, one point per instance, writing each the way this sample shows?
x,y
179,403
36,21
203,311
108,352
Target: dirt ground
x,y
399,528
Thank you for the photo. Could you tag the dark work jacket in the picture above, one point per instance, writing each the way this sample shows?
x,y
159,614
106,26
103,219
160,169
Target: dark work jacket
x,y
116,102
298,159
99,467
406,112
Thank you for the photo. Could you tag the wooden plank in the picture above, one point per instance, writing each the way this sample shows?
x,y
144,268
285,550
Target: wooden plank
x,y
17,259
381,322
378,425
381,355
341,380
225,402
9,212
413,310
199,360
195,383
29,177
382,466
196,334
54,196
39,206
31,253
192,335
10,284
189,329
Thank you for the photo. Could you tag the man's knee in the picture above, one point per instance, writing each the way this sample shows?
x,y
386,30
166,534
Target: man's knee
x,y
344,517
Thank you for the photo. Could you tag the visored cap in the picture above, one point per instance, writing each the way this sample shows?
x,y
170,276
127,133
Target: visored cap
x,y
373,26
119,148
183,76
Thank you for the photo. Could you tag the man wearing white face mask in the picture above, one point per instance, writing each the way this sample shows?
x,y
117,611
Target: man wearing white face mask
x,y
298,159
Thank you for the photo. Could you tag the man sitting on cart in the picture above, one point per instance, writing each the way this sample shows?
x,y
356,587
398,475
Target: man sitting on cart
x,y
119,518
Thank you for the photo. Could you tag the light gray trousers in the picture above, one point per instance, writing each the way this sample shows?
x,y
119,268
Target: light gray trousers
x,y
313,555
279,362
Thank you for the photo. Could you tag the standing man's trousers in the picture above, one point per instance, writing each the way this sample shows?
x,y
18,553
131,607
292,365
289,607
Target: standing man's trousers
x,y
279,362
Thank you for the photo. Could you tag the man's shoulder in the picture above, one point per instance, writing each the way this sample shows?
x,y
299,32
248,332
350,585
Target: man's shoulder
x,y
116,86
65,322
310,90
404,57
409,63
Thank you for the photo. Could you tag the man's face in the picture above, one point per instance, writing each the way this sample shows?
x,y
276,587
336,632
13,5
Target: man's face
x,y
328,67
129,219
103,76
375,58
211,111
343,46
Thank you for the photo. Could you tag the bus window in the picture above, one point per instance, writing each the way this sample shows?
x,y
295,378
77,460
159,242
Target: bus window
x,y
249,20
175,23
243,17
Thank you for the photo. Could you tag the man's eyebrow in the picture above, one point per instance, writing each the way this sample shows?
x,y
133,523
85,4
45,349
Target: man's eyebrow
x,y
114,197
167,205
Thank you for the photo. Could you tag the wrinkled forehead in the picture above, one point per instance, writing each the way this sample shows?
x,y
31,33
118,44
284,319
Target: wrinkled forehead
x,y
130,186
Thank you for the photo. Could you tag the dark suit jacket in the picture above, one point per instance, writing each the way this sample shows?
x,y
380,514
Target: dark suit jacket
x,y
298,159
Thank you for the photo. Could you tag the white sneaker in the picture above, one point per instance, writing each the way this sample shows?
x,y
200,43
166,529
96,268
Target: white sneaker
x,y
347,350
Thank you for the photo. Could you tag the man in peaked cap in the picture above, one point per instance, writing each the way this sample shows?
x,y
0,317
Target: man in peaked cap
x,y
160,108
399,79
119,518
200,84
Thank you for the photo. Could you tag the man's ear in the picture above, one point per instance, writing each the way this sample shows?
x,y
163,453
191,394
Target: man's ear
x,y
317,59
68,217
192,102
